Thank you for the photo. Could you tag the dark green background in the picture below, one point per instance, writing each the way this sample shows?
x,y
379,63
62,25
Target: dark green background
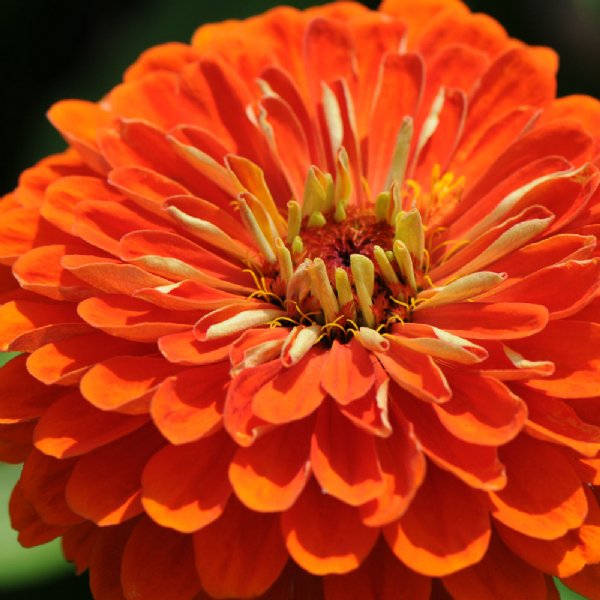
x,y
53,49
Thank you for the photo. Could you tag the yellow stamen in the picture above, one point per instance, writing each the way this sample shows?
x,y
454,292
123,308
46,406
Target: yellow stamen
x,y
387,271
322,290
344,291
409,229
405,264
314,193
382,205
343,185
284,258
363,271
297,245
316,220
294,220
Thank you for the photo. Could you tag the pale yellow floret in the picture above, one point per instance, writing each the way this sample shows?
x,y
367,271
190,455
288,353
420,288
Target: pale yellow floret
x,y
315,194
382,206
402,256
286,269
409,229
297,245
294,220
316,220
385,267
322,290
344,290
363,272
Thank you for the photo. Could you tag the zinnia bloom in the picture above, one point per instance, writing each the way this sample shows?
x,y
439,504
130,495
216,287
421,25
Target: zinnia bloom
x,y
310,309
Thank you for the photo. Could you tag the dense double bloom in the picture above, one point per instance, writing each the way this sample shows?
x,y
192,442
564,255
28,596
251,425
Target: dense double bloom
x,y
309,309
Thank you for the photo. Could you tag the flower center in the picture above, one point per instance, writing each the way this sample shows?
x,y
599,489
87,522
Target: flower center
x,y
343,266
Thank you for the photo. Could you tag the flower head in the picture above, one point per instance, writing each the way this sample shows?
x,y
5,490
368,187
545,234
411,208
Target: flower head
x,y
309,309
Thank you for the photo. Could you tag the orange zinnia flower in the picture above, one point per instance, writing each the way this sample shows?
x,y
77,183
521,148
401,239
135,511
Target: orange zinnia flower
x,y
310,309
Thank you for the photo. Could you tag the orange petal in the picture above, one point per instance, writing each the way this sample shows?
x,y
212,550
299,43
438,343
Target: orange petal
x,y
183,348
77,545
63,195
584,109
400,89
479,320
438,538
15,441
328,54
577,373
380,577
548,509
499,574
33,397
344,458
105,561
239,417
517,77
105,484
158,564
24,519
231,552
324,535
560,557
29,324
79,122
553,420
108,275
415,372
64,362
348,373
478,466
40,270
294,393
72,427
189,406
186,487
43,482
265,485
578,280
132,319
403,466
125,383
103,224
482,410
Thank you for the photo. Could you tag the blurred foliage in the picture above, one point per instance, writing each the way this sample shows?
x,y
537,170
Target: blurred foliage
x,y
80,49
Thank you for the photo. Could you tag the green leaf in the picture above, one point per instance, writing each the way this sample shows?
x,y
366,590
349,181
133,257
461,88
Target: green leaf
x,y
566,593
22,567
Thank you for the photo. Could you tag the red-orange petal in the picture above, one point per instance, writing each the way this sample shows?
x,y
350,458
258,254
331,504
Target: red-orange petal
x,y
324,535
543,498
268,485
348,373
438,538
380,577
158,564
241,554
186,487
43,482
125,383
294,393
72,426
499,574
403,466
105,484
482,410
478,466
344,458
190,405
